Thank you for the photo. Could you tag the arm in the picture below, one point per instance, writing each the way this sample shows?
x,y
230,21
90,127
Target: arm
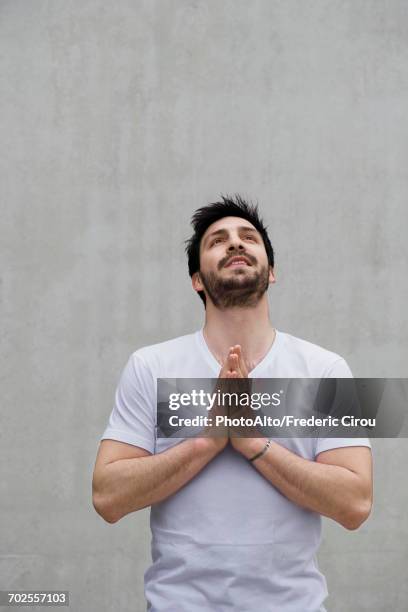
x,y
338,484
139,479
127,477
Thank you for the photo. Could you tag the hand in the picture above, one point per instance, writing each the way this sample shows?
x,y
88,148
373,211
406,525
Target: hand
x,y
218,435
235,367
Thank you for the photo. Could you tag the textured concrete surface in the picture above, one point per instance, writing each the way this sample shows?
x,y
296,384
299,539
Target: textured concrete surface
x,y
117,120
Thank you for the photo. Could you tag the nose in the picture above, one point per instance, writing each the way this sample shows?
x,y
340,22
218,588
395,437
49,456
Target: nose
x,y
235,243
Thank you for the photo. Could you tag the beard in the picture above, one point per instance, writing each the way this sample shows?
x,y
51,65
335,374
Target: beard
x,y
239,290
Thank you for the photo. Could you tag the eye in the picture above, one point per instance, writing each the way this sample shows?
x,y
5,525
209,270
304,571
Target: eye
x,y
250,237
216,240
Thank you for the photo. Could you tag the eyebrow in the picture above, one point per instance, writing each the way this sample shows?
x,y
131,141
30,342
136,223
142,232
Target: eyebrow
x,y
242,228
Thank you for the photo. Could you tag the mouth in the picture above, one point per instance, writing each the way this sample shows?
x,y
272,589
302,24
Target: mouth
x,y
237,261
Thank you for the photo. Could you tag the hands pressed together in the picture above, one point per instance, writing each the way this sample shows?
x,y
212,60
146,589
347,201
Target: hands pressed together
x,y
234,367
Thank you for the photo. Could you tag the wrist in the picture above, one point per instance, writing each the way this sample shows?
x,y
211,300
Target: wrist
x,y
252,447
210,444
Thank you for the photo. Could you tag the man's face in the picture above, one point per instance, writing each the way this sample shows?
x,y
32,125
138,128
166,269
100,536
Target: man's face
x,y
234,267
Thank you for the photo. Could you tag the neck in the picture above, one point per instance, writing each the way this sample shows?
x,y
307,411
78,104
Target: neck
x,y
250,327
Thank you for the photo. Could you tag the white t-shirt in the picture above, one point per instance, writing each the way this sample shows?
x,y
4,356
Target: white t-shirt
x,y
228,540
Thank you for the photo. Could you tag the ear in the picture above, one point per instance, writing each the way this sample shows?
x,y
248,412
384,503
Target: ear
x,y
272,277
196,282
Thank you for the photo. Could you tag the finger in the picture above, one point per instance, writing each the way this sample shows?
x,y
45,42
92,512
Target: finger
x,y
232,358
235,349
241,360
233,362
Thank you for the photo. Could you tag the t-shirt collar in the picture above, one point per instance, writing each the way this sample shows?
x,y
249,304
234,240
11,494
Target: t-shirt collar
x,y
213,363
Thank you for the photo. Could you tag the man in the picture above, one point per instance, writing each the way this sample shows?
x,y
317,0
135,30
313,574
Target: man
x,y
236,522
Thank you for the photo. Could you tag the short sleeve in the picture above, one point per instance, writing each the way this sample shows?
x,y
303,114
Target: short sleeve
x,y
339,369
132,419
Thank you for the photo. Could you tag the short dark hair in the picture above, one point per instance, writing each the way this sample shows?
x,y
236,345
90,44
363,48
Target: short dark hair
x,y
228,206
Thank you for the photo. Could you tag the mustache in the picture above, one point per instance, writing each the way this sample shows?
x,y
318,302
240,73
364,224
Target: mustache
x,y
224,260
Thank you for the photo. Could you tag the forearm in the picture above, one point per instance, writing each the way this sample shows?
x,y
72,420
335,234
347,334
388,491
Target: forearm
x,y
330,490
128,485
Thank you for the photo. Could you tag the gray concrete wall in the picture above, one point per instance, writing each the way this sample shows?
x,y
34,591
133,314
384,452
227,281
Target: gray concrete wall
x,y
118,119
